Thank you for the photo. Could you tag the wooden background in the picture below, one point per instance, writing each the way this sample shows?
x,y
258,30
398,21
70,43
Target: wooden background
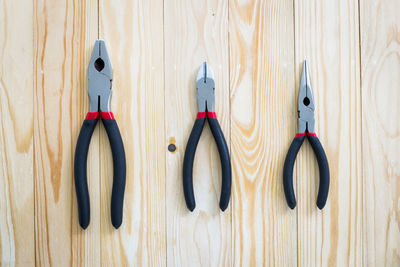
x,y
256,49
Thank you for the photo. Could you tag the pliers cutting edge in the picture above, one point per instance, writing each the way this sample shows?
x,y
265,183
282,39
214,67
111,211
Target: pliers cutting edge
x,y
205,101
306,128
100,78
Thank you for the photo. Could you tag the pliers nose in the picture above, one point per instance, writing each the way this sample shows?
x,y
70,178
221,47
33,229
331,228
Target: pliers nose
x,y
205,88
305,103
100,63
100,78
205,100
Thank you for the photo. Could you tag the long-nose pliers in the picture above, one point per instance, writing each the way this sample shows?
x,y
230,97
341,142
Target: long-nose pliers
x,y
100,78
306,121
205,100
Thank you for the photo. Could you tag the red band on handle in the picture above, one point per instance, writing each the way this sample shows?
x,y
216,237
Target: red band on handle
x,y
107,115
92,115
201,115
304,134
211,115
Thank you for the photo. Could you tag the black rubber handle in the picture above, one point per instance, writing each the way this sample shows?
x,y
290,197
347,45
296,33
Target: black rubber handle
x,y
225,163
323,171
188,162
288,170
81,187
119,161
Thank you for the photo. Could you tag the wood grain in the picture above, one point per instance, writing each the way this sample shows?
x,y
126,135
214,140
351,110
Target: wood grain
x,y
195,31
256,48
262,101
326,34
16,130
380,65
64,35
133,31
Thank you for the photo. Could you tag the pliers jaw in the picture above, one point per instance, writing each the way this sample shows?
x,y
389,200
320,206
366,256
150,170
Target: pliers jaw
x,y
306,102
100,78
205,88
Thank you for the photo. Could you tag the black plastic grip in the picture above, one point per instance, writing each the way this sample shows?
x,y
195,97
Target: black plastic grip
x,y
81,187
323,171
119,161
225,163
188,162
288,170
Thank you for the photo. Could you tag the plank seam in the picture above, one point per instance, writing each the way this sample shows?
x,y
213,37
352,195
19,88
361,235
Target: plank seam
x,y
294,82
230,133
165,138
361,131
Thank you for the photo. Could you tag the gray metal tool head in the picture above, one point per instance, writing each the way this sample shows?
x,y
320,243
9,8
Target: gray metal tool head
x,y
100,77
306,102
205,88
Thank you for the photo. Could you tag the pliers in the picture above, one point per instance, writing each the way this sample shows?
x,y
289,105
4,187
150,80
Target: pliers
x,y
100,78
205,101
306,122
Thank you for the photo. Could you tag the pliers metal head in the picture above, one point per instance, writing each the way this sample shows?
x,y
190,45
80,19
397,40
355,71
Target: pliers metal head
x,y
305,104
306,120
100,78
205,100
205,88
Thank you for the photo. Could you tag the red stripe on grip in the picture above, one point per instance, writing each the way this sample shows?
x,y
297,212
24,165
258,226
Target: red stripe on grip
x,y
201,115
107,115
211,115
92,115
304,134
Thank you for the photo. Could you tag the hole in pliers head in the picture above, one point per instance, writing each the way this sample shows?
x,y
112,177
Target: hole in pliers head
x,y
306,101
99,64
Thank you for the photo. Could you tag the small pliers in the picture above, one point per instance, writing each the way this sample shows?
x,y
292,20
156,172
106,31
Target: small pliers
x,y
306,128
205,101
100,78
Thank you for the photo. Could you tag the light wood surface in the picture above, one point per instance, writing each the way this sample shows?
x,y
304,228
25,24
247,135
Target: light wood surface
x,y
380,79
256,48
64,34
195,31
263,109
326,34
17,245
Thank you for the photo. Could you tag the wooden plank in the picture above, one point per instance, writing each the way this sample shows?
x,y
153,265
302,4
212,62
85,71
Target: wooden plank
x,y
64,35
16,131
133,31
326,34
380,65
195,31
262,100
